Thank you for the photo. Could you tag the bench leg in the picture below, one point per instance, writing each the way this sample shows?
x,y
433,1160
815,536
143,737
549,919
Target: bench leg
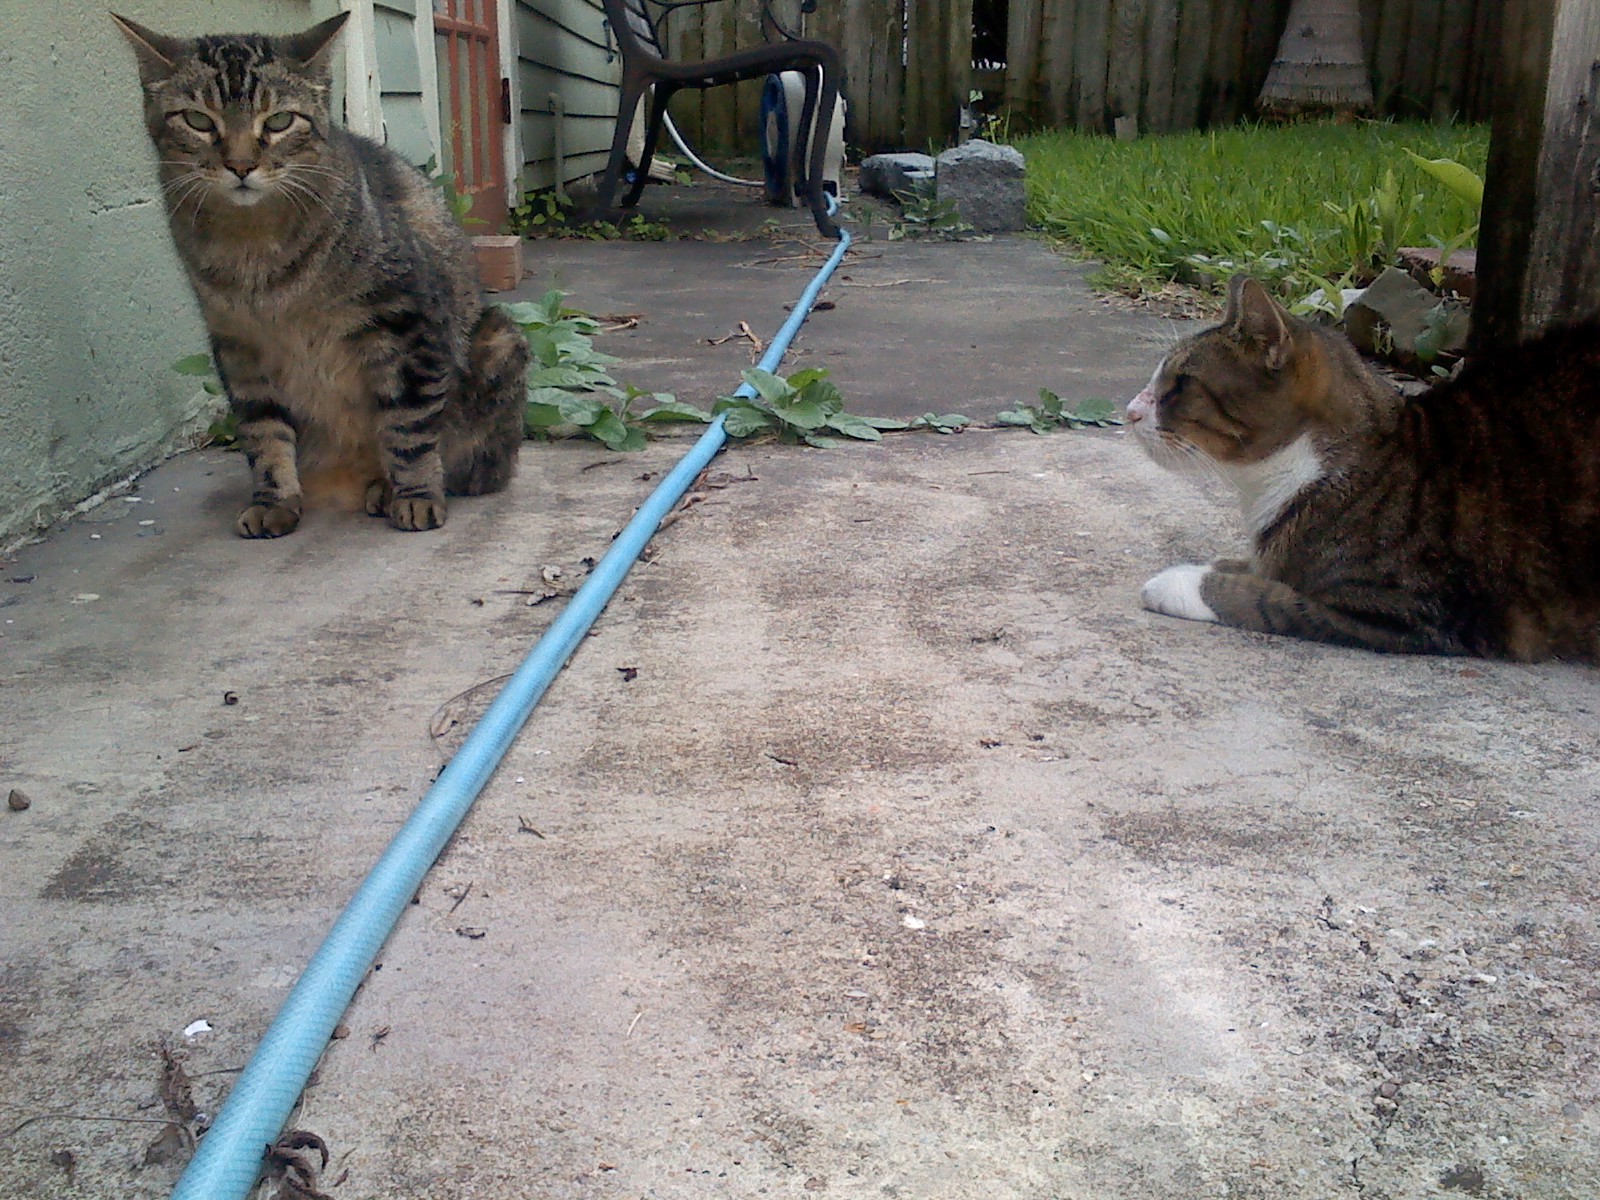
x,y
633,89
652,136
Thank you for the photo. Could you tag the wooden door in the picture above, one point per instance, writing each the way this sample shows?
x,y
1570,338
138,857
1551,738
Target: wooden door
x,y
472,104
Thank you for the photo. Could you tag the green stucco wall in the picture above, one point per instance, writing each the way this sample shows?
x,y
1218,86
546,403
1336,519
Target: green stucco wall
x,y
93,306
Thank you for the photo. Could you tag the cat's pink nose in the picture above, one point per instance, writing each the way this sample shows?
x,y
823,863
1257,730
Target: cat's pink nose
x,y
1142,406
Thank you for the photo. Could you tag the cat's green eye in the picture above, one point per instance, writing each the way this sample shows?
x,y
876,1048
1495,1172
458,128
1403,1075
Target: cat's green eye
x,y
278,122
199,121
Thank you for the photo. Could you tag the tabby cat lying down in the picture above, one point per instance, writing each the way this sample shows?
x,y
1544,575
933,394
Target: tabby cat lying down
x,y
1463,521
339,292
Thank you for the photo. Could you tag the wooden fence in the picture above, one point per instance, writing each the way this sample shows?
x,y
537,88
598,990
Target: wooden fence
x,y
1172,64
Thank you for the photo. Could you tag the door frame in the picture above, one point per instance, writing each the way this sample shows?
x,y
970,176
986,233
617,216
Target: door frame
x,y
470,72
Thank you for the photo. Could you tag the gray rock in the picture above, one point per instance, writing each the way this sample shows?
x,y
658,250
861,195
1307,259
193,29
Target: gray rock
x,y
886,174
1396,316
985,184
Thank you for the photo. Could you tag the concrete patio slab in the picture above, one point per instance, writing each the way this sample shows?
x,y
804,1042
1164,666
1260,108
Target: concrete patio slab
x,y
875,844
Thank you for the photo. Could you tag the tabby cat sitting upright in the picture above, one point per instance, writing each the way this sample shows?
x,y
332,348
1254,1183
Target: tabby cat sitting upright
x,y
340,294
1462,521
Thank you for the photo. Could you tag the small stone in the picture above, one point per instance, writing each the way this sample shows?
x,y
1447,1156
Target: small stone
x,y
341,1031
1389,1089
889,174
230,698
1464,1177
18,800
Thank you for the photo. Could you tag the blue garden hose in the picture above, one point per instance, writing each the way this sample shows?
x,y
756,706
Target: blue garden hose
x,y
228,1159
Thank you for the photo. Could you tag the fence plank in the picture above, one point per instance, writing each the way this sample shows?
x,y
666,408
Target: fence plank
x,y
1454,47
1422,53
1194,32
1125,57
719,118
1025,83
1219,98
1263,31
1091,31
686,40
1161,53
1388,71
868,34
1481,68
938,67
1061,91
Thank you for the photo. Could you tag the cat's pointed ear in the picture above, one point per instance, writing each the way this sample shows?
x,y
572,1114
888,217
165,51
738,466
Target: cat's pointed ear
x,y
156,52
311,48
1254,316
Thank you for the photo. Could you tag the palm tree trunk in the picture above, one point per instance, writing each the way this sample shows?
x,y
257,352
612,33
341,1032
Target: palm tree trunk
x,y
1320,67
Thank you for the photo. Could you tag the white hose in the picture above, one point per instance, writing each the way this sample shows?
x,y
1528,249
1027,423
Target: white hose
x,y
695,158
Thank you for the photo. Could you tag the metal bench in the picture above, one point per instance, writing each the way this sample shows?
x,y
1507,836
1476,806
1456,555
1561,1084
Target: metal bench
x,y
645,65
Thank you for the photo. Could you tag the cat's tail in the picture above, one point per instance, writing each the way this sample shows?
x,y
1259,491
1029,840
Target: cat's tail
x,y
480,443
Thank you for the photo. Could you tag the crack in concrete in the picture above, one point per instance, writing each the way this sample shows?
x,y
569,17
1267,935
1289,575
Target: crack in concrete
x,y
100,210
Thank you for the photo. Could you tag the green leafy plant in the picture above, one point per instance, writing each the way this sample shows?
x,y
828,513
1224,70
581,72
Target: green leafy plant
x,y
1462,181
940,422
571,392
538,211
570,388
1052,413
224,431
1326,299
201,367
922,214
1467,186
805,407
460,206
550,214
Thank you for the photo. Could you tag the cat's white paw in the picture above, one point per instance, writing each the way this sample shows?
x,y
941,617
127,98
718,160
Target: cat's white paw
x,y
1176,593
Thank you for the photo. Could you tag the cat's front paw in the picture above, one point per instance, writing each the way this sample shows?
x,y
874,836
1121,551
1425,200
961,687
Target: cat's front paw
x,y
412,514
409,513
268,520
1176,593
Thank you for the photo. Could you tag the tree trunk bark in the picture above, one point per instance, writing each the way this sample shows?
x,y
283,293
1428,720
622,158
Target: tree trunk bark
x,y
1539,248
1320,65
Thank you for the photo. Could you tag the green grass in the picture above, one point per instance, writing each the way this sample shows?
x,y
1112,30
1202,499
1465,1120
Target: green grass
x,y
1197,207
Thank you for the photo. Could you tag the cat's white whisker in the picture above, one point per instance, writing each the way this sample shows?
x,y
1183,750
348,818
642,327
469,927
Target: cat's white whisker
x,y
291,188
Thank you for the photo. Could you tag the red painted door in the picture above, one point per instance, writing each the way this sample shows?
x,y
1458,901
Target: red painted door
x,y
471,104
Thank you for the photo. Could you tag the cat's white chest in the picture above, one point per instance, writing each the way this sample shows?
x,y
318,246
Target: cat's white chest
x,y
1267,487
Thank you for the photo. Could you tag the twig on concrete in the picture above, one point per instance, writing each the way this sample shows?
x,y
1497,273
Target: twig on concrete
x,y
86,1117
443,720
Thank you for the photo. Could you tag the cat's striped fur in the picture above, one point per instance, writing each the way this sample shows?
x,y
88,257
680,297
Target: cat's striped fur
x,y
340,295
1462,521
